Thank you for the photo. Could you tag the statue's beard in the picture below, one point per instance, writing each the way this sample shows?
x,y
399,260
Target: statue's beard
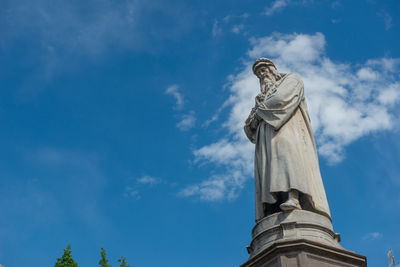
x,y
265,84
268,81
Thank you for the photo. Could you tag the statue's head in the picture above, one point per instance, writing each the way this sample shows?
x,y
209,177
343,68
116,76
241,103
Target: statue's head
x,y
264,68
266,72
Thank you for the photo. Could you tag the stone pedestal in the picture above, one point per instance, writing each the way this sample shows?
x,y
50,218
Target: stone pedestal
x,y
298,239
305,253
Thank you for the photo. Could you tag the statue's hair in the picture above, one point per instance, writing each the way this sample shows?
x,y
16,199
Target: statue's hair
x,y
262,61
269,64
275,72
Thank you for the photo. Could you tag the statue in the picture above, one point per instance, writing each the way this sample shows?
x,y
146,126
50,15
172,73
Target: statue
x,y
287,174
293,223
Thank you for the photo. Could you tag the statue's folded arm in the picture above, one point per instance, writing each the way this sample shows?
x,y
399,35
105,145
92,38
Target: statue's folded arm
x,y
279,107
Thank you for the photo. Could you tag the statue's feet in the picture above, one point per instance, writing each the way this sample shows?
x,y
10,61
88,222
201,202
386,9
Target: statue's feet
x,y
291,204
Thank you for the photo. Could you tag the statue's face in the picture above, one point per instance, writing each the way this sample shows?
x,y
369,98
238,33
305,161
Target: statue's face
x,y
262,71
265,72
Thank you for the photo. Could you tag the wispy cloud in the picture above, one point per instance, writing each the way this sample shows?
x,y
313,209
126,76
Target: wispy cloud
x,y
346,102
387,19
276,6
62,25
135,188
62,34
237,28
149,180
174,91
92,27
372,236
227,18
232,21
131,192
188,121
216,29
336,4
279,5
211,190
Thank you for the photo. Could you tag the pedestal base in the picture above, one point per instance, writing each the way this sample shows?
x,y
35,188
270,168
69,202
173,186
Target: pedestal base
x,y
305,253
298,238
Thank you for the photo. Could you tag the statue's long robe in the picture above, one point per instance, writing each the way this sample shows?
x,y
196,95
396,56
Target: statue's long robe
x,y
285,153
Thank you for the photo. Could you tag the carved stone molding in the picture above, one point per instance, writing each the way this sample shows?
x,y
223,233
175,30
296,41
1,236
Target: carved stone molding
x,y
305,253
298,224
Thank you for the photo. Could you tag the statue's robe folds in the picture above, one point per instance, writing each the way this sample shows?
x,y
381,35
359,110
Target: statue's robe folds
x,y
285,153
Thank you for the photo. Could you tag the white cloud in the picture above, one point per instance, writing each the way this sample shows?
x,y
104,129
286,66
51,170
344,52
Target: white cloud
x,y
372,236
366,74
173,90
387,19
390,65
70,26
345,101
336,4
244,15
62,33
292,48
62,25
188,121
210,190
276,6
232,21
216,29
390,95
148,180
227,18
131,192
237,28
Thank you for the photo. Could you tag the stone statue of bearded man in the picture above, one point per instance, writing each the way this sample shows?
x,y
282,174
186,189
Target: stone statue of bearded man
x,y
287,175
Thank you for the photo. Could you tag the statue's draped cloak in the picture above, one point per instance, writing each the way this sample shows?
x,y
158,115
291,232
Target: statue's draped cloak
x,y
285,153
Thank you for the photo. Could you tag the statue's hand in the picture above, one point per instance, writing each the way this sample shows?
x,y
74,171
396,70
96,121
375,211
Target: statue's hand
x,y
260,99
251,117
247,122
255,122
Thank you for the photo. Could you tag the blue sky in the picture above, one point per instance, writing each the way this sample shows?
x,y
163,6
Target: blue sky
x,y
121,124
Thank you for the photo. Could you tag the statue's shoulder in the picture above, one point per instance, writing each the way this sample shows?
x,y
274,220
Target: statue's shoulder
x,y
292,79
292,76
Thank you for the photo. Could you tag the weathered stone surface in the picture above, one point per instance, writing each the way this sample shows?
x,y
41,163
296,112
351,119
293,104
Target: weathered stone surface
x,y
286,166
293,222
305,253
298,224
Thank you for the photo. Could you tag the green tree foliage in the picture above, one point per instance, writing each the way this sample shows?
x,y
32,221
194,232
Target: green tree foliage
x,y
66,259
122,262
103,261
